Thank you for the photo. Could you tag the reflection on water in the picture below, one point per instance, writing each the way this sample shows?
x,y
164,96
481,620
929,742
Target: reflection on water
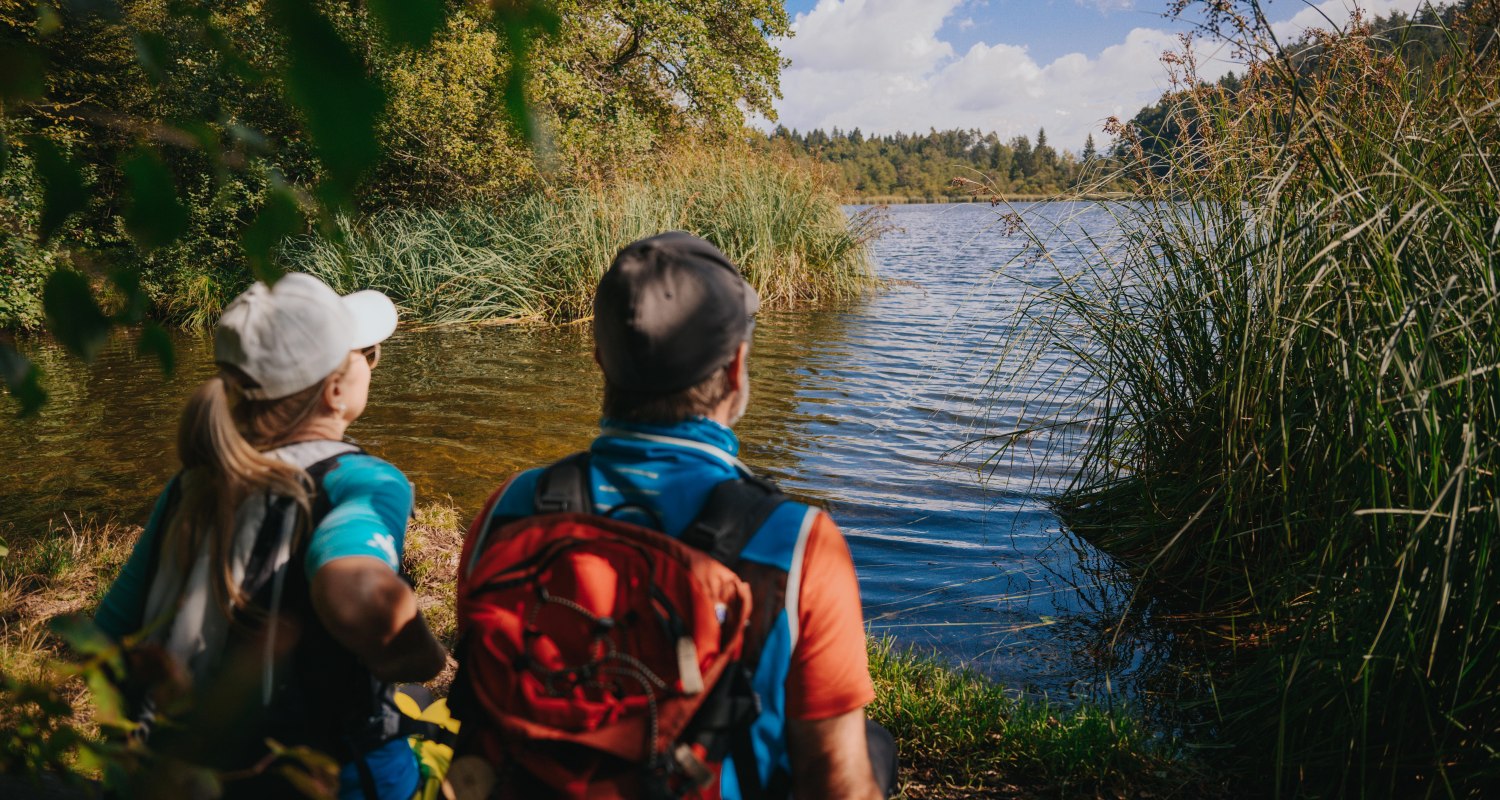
x,y
866,410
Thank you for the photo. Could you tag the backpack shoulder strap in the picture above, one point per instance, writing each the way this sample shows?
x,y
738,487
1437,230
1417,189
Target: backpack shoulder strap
x,y
565,487
735,510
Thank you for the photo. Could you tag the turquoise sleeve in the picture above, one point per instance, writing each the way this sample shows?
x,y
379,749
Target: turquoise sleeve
x,y
123,609
370,503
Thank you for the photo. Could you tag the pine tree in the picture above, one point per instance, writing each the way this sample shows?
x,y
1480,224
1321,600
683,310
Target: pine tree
x,y
1089,151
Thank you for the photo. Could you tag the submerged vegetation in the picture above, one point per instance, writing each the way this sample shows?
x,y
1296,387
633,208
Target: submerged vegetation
x,y
1294,401
540,256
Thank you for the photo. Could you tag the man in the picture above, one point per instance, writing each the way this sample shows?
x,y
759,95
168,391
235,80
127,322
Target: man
x,y
672,325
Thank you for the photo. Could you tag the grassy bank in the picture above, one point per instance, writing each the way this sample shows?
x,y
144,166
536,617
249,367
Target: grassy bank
x,y
958,734
540,257
1294,413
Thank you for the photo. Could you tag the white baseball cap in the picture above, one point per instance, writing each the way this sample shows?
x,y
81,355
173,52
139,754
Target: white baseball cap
x,y
290,336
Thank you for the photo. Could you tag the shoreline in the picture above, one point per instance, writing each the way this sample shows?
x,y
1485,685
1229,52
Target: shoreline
x,y
959,734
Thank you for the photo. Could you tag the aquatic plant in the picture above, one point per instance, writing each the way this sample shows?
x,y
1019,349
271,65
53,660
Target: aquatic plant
x,y
1292,409
540,257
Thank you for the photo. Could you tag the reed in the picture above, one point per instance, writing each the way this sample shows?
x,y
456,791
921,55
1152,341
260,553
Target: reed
x,y
540,257
1292,405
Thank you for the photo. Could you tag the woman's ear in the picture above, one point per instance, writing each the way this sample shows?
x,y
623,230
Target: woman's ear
x,y
333,395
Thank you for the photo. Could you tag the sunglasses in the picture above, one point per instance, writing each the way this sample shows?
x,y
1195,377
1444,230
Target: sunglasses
x,y
371,354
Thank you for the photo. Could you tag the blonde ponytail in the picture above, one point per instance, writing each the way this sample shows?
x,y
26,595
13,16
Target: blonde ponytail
x,y
219,442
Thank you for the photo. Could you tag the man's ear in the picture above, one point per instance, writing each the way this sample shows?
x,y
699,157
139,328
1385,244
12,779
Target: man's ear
x,y
736,370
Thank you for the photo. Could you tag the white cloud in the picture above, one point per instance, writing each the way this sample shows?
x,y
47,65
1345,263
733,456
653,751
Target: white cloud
x,y
880,65
880,36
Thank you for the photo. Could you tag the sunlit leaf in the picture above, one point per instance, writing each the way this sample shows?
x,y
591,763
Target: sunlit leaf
x,y
154,53
330,86
23,71
63,189
81,634
109,705
48,20
22,380
279,217
154,215
155,341
408,22
73,316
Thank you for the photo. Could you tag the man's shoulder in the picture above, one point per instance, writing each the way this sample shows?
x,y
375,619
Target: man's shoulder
x,y
518,496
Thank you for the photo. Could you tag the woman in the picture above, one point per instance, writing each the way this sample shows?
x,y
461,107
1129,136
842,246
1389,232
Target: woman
x,y
269,572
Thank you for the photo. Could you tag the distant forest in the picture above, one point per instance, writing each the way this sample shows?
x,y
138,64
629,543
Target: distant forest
x,y
945,164
957,164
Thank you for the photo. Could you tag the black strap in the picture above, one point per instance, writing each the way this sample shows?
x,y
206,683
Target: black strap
x,y
734,512
746,765
565,487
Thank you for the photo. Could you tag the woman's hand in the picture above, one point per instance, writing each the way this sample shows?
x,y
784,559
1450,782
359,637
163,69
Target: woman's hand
x,y
368,609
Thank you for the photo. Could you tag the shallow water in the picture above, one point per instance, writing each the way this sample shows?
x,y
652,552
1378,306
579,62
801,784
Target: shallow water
x,y
878,411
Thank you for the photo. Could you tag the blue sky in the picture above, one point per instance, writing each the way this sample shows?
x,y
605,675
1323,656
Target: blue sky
x,y
1011,66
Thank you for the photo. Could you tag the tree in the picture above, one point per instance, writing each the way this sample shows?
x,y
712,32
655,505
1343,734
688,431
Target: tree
x,y
168,140
1090,152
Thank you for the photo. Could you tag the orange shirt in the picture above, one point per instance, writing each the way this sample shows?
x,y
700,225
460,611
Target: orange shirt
x,y
830,672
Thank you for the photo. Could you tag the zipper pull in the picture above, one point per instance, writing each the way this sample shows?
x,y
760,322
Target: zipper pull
x,y
687,666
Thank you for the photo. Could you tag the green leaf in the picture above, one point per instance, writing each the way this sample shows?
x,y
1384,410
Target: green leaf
x,y
154,215
109,705
521,21
156,341
281,216
4,151
82,634
409,22
23,72
329,84
72,314
22,379
128,283
154,53
63,189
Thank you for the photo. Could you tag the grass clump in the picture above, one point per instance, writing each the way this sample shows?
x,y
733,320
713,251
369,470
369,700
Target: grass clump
x,y
540,257
1293,404
959,734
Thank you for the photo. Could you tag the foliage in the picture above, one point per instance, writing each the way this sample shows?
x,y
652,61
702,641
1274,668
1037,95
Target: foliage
x,y
962,734
1292,416
157,147
946,164
541,256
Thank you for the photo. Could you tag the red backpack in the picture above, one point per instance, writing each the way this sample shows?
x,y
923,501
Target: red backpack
x,y
603,659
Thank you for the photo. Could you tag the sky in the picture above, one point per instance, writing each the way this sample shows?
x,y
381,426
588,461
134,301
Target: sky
x,y
1009,66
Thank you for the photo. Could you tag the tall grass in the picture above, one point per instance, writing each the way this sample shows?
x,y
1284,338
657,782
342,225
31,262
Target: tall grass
x,y
541,257
1294,406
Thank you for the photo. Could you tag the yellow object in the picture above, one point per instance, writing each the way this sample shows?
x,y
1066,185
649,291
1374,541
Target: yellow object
x,y
433,758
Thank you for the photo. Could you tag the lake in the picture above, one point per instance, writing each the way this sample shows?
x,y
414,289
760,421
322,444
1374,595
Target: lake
x,y
879,411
